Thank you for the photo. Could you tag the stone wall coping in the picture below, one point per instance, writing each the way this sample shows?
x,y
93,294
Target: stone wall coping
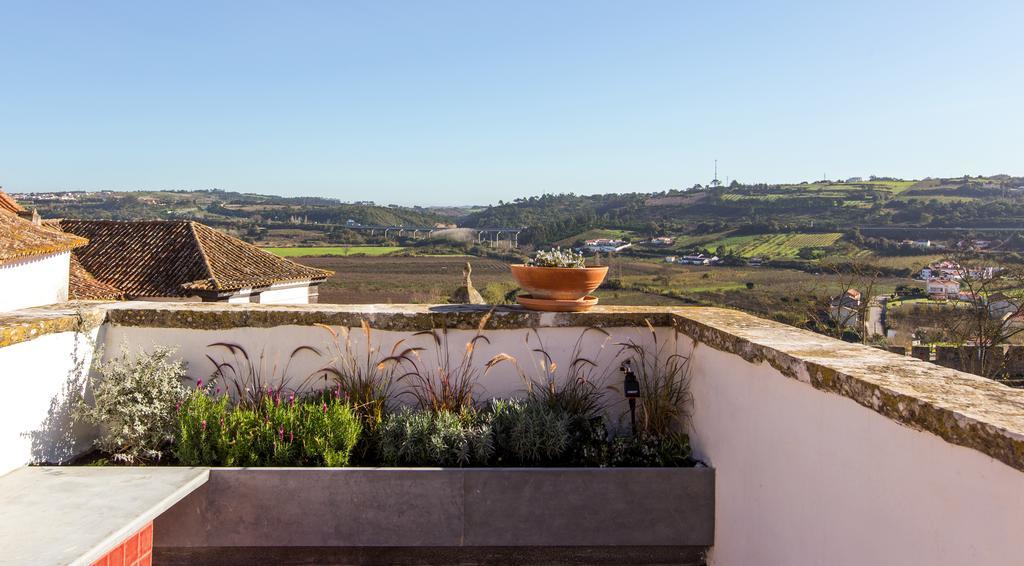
x,y
397,317
29,324
961,408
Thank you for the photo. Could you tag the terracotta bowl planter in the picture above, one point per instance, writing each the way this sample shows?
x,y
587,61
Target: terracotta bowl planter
x,y
560,283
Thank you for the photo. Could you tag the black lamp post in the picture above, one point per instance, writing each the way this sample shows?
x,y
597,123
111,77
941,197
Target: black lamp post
x,y
631,389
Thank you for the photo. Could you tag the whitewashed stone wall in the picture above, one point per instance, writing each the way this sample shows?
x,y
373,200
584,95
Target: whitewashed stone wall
x,y
34,281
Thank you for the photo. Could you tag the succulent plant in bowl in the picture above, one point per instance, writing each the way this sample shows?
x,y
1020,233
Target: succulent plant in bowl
x,y
559,275
557,257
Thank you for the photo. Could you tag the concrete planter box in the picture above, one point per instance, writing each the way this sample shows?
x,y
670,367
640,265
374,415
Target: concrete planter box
x,y
273,509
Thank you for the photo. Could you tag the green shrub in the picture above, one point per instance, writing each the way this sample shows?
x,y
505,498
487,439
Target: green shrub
x,y
427,438
203,438
134,402
529,433
329,432
278,432
645,451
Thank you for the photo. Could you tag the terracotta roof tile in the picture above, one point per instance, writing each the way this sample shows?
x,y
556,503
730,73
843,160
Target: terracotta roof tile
x,y
82,286
9,204
20,238
178,258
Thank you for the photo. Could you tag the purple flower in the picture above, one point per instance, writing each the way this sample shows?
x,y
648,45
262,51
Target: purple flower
x,y
280,433
204,424
199,384
325,408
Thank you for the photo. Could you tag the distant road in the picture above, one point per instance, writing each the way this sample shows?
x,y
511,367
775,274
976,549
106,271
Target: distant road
x,y
873,318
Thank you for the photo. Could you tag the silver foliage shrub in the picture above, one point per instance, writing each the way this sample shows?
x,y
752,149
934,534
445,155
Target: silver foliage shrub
x,y
135,399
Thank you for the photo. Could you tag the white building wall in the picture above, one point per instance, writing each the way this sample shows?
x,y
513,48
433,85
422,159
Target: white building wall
x,y
290,293
277,343
242,296
34,281
806,477
38,378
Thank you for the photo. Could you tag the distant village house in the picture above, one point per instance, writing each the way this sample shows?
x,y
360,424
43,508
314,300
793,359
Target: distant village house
x,y
845,309
698,259
34,262
943,289
605,245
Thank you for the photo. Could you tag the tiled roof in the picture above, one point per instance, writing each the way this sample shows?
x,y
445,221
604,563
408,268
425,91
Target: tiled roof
x,y
9,204
82,286
178,258
20,238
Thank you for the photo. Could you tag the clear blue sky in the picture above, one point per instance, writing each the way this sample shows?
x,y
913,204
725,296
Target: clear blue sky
x,y
425,102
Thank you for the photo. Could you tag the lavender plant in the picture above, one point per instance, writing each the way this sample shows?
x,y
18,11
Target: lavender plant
x,y
434,438
575,392
203,437
528,432
281,431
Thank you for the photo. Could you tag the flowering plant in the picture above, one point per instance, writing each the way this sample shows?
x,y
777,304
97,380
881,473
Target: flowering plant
x,y
283,430
557,257
133,403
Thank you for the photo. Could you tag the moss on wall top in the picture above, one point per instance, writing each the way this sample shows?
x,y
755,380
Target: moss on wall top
x,y
28,324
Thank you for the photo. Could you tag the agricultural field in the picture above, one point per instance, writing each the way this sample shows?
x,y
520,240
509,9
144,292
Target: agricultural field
x,y
834,190
780,294
318,251
401,279
775,246
914,263
738,197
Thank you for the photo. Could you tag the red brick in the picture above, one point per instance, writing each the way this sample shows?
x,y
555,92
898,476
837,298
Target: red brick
x,y
101,561
146,539
146,560
116,557
131,550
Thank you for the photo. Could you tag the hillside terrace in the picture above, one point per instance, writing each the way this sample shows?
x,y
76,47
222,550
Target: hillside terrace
x,y
813,451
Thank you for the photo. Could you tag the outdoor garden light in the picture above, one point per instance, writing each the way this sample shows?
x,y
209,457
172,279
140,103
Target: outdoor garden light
x,y
631,389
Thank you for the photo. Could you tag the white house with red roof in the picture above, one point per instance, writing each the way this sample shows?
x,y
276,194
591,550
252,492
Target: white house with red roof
x,y
34,262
